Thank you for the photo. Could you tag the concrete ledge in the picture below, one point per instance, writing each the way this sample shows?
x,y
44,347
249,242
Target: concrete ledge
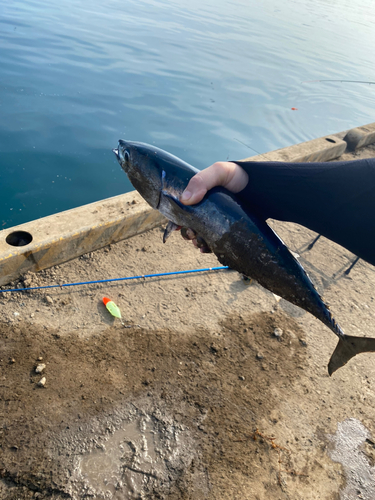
x,y
360,137
67,235
322,149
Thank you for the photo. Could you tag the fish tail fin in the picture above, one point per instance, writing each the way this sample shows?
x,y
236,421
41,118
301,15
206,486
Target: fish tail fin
x,y
347,348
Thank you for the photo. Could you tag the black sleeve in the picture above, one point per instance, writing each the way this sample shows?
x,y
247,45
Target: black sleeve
x,y
335,199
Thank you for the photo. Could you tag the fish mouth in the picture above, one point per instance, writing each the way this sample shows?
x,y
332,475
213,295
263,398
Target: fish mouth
x,y
118,154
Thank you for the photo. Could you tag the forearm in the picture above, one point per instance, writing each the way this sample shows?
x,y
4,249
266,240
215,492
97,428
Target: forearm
x,y
336,199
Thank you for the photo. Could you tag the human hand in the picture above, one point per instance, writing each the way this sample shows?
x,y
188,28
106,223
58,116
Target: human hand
x,y
188,234
222,173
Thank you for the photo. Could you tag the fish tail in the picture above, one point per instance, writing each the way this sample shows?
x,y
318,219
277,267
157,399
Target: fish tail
x,y
347,348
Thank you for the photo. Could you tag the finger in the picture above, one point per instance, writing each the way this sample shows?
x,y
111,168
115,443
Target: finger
x,y
195,190
191,234
183,233
187,233
227,174
198,186
205,250
202,245
200,242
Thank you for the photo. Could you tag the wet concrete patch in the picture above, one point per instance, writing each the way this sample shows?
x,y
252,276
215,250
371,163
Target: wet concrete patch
x,y
349,441
130,454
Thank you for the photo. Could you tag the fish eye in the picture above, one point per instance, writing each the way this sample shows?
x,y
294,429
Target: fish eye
x,y
127,155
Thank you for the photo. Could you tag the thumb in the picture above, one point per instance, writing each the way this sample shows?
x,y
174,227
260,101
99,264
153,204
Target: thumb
x,y
203,181
195,191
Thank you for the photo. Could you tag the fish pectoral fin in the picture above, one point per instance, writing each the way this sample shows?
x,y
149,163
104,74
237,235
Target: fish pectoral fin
x,y
171,226
347,348
175,201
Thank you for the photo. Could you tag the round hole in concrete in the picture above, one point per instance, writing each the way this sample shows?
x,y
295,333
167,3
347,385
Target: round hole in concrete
x,y
19,238
330,140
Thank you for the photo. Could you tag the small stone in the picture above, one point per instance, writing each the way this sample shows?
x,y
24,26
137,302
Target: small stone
x,y
303,342
16,314
40,358
40,368
49,299
241,377
214,349
259,355
42,382
12,361
32,315
277,332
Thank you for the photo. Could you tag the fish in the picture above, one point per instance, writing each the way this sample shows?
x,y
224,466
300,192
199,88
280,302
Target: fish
x,y
239,238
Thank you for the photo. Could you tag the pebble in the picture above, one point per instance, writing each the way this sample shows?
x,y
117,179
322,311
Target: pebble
x,y
241,377
49,299
259,355
16,314
40,368
42,382
277,332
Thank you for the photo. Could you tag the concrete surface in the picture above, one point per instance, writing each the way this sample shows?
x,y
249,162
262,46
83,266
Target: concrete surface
x,y
196,399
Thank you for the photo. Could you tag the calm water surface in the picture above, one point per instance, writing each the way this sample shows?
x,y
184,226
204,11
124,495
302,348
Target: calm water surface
x,y
203,80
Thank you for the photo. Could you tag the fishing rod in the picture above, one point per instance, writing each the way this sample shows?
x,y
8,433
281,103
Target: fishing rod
x,y
339,81
142,276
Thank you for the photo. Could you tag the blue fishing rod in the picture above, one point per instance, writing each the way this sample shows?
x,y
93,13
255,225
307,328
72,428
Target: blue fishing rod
x,y
142,276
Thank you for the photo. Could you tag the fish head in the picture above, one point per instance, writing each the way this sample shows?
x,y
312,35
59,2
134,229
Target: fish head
x,y
138,162
152,171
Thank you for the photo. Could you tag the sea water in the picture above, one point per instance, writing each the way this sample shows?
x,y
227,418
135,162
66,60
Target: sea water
x,y
207,81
